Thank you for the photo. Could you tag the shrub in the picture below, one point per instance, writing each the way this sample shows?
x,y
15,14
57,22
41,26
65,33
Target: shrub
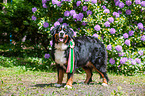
x,y
119,24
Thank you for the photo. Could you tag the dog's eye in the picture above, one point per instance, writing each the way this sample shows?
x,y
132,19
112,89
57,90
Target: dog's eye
x,y
64,29
59,28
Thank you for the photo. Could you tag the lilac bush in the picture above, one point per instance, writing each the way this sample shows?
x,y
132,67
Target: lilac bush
x,y
120,25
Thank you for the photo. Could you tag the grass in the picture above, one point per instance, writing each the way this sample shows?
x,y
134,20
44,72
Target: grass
x,y
16,81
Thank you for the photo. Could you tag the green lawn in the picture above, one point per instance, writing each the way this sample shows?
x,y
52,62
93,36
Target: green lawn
x,y
16,81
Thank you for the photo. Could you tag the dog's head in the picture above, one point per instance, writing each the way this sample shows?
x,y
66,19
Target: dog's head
x,y
62,33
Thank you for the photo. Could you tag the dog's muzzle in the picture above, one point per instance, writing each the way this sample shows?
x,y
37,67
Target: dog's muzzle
x,y
61,37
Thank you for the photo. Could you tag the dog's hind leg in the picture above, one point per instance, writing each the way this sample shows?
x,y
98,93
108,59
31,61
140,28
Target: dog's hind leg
x,y
103,75
89,74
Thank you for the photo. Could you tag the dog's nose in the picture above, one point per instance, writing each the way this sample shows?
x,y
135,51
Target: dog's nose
x,y
61,34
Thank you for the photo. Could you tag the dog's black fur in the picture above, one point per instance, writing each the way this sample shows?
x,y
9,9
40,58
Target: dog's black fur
x,y
87,49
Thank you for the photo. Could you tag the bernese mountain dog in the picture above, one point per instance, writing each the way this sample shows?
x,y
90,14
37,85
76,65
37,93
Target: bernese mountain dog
x,y
89,53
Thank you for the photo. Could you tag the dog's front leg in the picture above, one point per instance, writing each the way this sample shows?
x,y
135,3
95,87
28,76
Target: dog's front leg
x,y
60,75
69,80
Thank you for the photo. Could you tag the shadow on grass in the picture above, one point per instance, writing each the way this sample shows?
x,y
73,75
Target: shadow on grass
x,y
63,84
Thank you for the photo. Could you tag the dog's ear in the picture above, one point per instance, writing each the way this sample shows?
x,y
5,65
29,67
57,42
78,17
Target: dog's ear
x,y
53,31
70,32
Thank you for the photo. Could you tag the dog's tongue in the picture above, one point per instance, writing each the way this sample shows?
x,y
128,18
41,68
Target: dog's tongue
x,y
60,39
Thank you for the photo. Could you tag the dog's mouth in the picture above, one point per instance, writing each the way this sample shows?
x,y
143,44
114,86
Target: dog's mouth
x,y
61,39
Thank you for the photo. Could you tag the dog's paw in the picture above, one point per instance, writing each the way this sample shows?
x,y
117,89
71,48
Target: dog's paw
x,y
104,84
57,85
67,87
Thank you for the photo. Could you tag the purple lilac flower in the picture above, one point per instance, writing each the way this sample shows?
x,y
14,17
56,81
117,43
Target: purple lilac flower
x,y
130,59
116,0
143,3
117,3
56,23
118,48
128,2
143,38
80,17
47,56
54,2
75,16
112,31
84,23
60,20
137,2
112,61
127,42
138,60
121,54
45,25
51,28
116,14
68,0
44,1
66,13
58,3
121,5
133,62
51,43
86,0
128,12
44,5
97,27
34,18
89,12
65,24
111,19
106,11
119,11
125,35
140,26
94,1
109,47
104,7
107,24
123,60
85,8
34,9
118,66
140,52
95,35
131,33
78,3
72,12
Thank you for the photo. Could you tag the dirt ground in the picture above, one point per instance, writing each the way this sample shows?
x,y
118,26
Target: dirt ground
x,y
42,84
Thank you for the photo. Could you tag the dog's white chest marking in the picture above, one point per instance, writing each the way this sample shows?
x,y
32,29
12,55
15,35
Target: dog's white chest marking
x,y
60,53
